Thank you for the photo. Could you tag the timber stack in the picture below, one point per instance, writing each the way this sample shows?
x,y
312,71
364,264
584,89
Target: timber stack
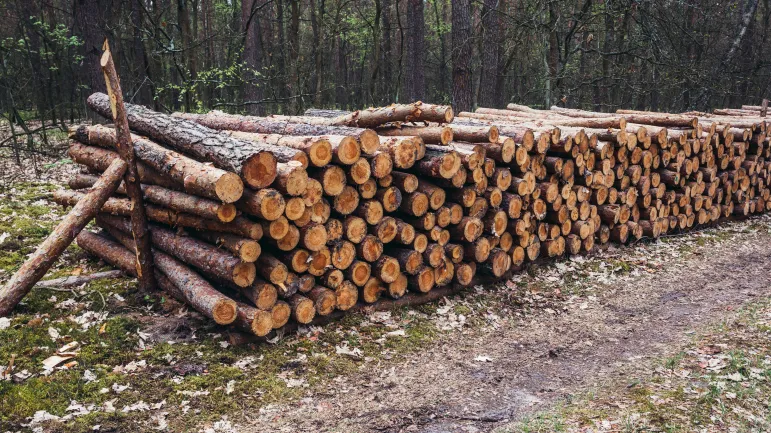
x,y
269,222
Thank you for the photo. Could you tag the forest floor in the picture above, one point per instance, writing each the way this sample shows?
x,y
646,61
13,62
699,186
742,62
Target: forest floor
x,y
671,335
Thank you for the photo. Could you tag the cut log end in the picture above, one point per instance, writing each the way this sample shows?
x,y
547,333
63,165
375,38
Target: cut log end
x,y
280,314
303,310
244,274
224,311
346,295
259,171
229,187
320,152
369,141
262,323
348,151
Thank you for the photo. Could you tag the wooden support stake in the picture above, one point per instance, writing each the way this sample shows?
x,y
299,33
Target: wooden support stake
x,y
41,260
125,146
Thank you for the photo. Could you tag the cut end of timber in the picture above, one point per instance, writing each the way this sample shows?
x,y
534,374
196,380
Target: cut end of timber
x,y
280,314
398,287
296,180
381,165
360,171
464,273
315,237
425,279
295,208
360,272
229,187
348,151
333,180
278,274
449,165
259,171
249,251
420,243
224,311
278,228
244,274
346,295
304,311
320,152
267,297
445,137
226,213
493,134
262,323
369,141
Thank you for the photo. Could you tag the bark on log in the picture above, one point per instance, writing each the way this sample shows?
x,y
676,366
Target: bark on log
x,y
212,304
179,201
62,236
122,207
196,178
196,291
367,138
203,256
256,164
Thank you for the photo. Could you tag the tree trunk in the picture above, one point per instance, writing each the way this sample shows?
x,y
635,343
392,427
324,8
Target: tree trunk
x,y
488,86
252,86
415,81
461,55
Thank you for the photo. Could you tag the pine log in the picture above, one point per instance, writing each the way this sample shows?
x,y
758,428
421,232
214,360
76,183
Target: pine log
x,y
255,163
187,287
203,256
194,177
179,201
429,134
317,149
62,236
367,138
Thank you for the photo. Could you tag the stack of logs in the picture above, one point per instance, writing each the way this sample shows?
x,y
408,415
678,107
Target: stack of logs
x,y
271,222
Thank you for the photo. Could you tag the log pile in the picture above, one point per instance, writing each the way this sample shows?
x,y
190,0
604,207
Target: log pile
x,y
267,222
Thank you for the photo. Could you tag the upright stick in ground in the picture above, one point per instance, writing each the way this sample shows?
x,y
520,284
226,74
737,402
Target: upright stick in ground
x,y
133,187
41,260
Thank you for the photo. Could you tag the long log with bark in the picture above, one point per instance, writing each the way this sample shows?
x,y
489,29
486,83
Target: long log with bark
x,y
194,177
368,139
131,180
255,163
62,236
203,256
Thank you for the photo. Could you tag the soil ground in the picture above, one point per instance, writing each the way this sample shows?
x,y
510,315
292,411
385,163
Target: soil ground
x,y
489,377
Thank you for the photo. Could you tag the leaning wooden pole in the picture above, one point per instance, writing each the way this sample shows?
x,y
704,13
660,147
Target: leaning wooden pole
x,y
125,146
41,260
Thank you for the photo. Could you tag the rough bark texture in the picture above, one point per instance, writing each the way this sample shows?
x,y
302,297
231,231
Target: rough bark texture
x,y
196,178
131,180
218,120
178,201
203,256
195,291
256,164
46,254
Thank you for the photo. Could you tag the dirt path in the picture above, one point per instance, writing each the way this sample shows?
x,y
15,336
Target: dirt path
x,y
486,378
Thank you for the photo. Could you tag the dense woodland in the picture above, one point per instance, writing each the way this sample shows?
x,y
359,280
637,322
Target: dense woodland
x,y
284,56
